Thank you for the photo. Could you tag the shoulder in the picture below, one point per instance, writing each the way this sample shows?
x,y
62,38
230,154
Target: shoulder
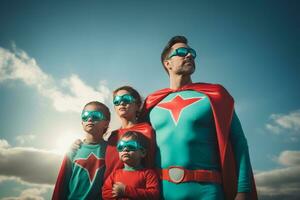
x,y
143,126
159,91
112,138
157,94
212,88
215,86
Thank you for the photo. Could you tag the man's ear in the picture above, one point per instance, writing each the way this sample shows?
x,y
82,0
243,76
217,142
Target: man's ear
x,y
167,65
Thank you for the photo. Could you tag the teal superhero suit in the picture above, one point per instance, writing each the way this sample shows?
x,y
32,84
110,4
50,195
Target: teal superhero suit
x,y
81,173
186,137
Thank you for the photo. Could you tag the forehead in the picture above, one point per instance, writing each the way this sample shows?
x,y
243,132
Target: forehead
x,y
178,45
122,92
128,138
91,107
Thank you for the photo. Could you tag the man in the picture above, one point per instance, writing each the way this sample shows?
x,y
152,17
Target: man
x,y
202,151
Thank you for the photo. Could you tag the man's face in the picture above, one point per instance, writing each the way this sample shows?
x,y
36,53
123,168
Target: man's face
x,y
180,65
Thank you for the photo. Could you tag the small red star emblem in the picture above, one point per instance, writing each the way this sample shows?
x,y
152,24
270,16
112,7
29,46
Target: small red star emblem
x,y
91,164
177,104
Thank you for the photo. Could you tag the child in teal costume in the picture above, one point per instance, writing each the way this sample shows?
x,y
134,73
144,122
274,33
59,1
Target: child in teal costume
x,y
82,171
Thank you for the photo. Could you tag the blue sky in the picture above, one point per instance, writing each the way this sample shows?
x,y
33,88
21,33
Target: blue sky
x,y
56,56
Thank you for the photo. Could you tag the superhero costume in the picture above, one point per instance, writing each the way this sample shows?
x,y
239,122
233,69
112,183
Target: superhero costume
x,y
112,160
139,184
81,173
217,155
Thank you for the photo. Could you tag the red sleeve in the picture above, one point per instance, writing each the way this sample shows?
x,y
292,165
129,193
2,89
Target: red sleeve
x,y
61,186
107,187
150,192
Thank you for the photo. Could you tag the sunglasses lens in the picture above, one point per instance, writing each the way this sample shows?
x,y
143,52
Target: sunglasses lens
x,y
84,118
94,115
182,51
126,98
129,145
193,52
97,116
120,147
117,100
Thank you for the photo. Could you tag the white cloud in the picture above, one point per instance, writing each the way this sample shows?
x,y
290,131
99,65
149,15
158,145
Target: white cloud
x,y
285,123
9,178
289,158
22,139
28,164
4,144
69,94
281,183
30,194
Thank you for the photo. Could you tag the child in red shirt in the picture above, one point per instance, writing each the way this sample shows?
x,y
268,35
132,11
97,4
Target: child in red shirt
x,y
133,181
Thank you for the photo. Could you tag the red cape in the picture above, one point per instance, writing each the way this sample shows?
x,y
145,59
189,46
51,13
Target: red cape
x,y
60,191
222,106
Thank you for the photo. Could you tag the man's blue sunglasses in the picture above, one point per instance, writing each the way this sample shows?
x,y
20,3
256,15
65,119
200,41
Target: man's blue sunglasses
x,y
183,51
126,99
95,115
130,145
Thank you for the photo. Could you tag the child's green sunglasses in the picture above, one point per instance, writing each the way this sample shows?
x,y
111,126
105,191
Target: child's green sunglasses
x,y
95,115
126,99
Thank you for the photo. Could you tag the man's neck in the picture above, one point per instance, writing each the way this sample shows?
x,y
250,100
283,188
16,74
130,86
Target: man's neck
x,y
177,82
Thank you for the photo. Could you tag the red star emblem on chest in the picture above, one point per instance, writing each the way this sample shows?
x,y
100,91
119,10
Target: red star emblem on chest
x,y
177,104
91,164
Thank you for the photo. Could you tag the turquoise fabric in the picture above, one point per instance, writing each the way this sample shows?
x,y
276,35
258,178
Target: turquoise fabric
x,y
87,171
189,140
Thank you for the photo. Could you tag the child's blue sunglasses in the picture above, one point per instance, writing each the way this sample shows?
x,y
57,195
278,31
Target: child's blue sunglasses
x,y
130,145
126,99
95,115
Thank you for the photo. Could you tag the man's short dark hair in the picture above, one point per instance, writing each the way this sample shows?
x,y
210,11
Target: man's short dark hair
x,y
167,49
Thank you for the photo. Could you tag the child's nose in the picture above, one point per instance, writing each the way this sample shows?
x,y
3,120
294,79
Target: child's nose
x,y
90,119
122,103
126,149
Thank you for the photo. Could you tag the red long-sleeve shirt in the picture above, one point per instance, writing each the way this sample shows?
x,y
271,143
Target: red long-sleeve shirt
x,y
139,184
112,161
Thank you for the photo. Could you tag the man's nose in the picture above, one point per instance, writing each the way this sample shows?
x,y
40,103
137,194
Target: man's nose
x,y
189,55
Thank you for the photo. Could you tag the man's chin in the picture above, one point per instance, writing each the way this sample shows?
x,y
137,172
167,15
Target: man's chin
x,y
187,71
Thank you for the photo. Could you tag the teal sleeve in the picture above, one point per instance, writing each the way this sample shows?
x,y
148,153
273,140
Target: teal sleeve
x,y
241,155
